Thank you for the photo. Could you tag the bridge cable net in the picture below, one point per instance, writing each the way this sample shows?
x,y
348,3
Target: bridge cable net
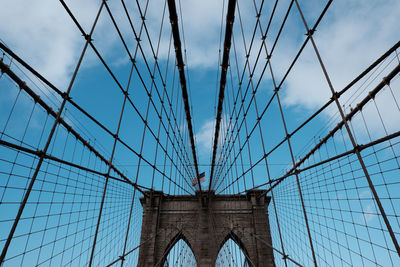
x,y
74,165
73,172
334,203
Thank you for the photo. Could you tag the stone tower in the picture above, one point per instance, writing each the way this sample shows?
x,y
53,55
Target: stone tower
x,y
205,222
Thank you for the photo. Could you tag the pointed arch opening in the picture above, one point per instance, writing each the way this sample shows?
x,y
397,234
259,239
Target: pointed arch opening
x,y
232,253
179,253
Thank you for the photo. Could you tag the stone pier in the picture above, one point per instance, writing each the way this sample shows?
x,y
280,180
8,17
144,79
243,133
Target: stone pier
x,y
205,222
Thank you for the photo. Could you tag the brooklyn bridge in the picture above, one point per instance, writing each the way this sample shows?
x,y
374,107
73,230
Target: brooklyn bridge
x,y
199,133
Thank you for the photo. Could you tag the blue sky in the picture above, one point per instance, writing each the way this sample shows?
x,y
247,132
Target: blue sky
x,y
351,36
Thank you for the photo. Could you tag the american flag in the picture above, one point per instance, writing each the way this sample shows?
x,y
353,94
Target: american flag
x,y
201,178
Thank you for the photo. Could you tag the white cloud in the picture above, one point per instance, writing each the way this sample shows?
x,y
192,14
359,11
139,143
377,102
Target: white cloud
x,y
204,137
353,34
348,42
43,35
201,22
369,211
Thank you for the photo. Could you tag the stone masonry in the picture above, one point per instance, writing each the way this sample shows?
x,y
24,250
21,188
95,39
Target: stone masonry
x,y
205,223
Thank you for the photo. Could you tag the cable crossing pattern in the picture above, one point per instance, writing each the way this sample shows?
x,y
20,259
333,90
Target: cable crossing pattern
x,y
77,157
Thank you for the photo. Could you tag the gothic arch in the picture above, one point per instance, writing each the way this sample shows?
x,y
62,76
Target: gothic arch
x,y
174,240
231,235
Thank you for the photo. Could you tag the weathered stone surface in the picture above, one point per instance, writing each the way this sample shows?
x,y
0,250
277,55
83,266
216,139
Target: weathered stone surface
x,y
205,226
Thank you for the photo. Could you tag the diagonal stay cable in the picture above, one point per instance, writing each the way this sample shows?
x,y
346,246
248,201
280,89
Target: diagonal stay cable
x,y
137,37
89,40
226,144
322,141
242,107
152,74
141,78
230,17
46,146
23,86
314,115
269,55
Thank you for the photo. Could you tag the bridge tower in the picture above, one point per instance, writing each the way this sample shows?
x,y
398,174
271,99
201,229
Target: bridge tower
x,y
205,223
